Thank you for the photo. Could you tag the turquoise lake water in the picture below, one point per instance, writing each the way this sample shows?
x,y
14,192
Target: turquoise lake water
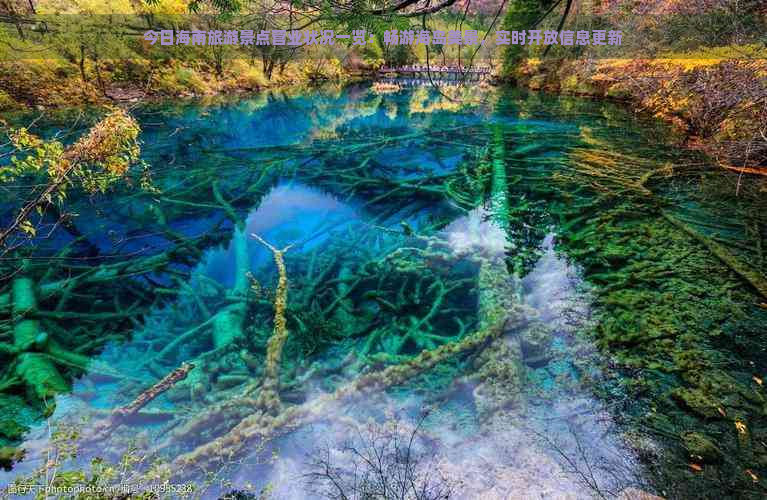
x,y
574,277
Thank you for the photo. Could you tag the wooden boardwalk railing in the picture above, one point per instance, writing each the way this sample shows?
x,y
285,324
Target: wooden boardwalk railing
x,y
449,71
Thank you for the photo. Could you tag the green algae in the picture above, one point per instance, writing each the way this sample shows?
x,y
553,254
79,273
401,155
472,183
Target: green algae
x,y
536,344
668,302
701,448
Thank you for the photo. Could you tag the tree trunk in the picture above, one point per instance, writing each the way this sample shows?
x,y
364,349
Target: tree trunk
x,y
82,66
102,86
502,371
227,325
37,370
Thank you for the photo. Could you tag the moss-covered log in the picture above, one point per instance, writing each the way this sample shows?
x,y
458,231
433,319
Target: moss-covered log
x,y
36,370
227,325
501,372
280,333
500,190
751,276
260,426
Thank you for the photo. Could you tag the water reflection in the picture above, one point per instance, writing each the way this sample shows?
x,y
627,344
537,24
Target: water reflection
x,y
291,214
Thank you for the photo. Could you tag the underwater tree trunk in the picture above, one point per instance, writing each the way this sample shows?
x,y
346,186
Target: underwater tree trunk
x,y
501,368
499,202
37,370
260,426
341,307
227,325
751,276
269,398
280,335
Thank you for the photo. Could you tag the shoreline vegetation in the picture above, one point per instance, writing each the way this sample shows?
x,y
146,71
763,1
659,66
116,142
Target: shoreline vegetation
x,y
700,66
24,84
718,105
727,121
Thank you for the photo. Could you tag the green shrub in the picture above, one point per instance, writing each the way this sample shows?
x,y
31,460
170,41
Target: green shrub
x,y
178,80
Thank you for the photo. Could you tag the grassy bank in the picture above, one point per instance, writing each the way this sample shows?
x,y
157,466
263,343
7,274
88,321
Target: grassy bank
x,y
700,65
58,83
720,104
58,53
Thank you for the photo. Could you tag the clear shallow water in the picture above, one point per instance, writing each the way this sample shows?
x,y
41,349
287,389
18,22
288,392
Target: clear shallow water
x,y
615,320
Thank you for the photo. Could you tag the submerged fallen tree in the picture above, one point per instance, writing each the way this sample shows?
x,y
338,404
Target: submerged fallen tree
x,y
262,425
413,288
748,274
270,386
264,418
38,351
411,295
683,262
35,369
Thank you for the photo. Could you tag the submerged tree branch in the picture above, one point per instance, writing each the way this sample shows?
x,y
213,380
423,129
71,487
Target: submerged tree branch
x,y
280,334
